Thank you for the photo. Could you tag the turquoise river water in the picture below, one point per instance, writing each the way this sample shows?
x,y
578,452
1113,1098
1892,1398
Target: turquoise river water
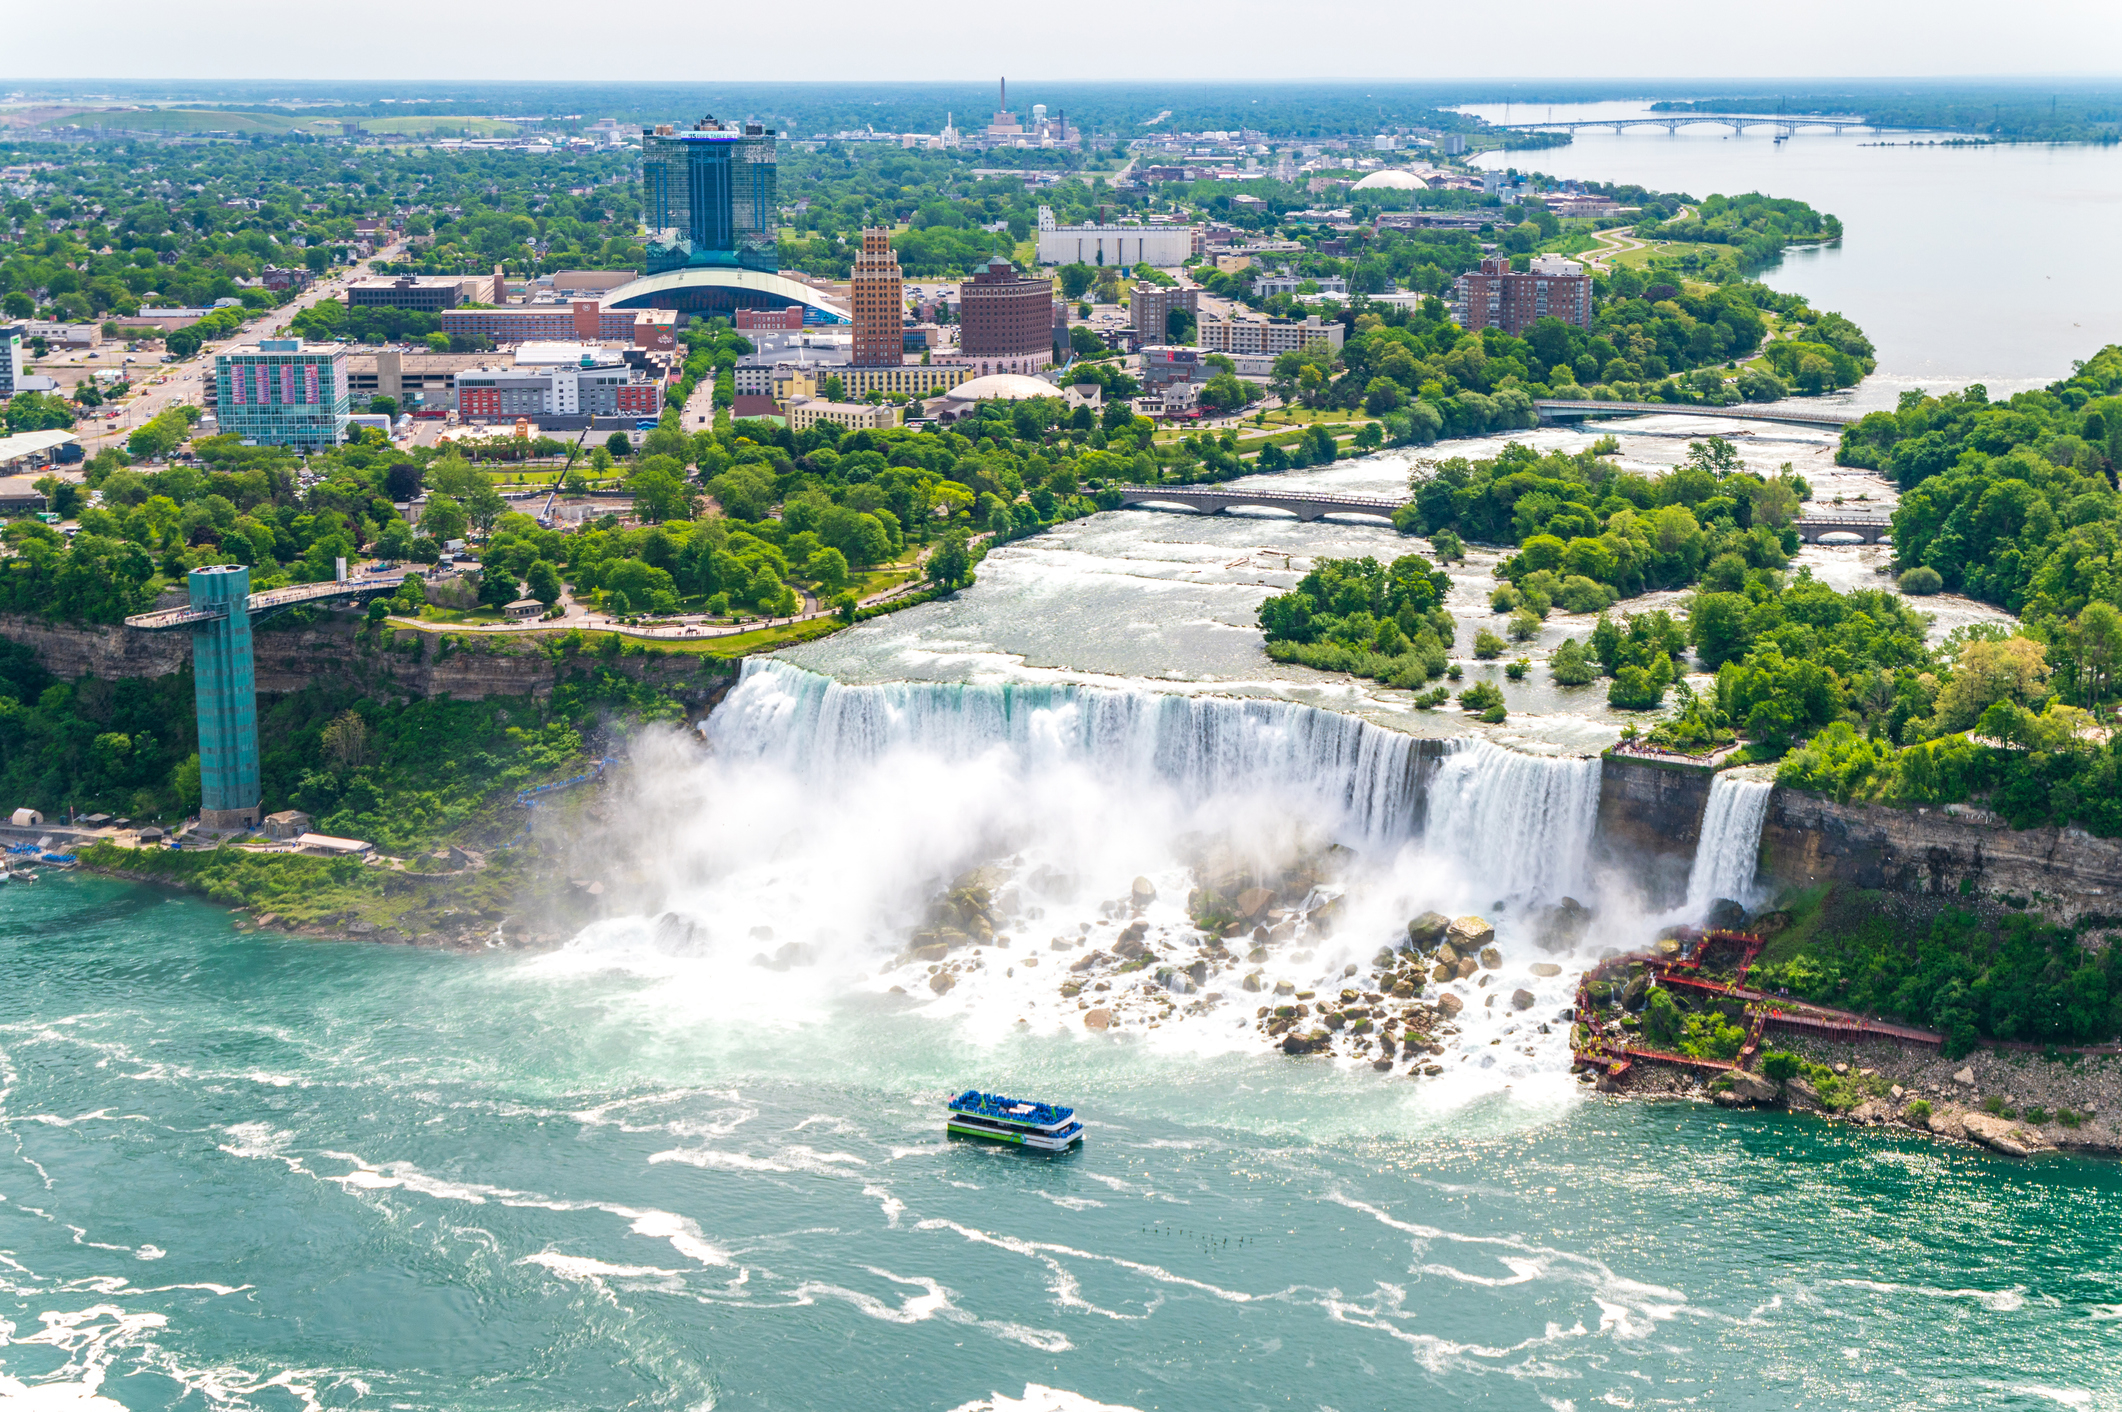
x,y
241,1171
244,1171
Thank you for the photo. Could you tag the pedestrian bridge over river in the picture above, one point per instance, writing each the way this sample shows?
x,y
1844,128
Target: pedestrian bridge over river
x,y
1306,506
1793,414
1218,498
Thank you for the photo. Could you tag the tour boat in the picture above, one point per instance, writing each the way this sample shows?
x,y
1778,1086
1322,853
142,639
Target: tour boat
x,y
1040,1126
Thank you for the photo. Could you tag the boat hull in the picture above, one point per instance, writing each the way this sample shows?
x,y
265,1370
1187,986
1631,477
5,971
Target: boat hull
x,y
1016,1137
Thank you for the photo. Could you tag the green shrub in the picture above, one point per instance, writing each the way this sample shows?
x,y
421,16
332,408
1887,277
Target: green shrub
x,y
1488,646
1922,580
1481,696
1918,1111
1572,665
1780,1065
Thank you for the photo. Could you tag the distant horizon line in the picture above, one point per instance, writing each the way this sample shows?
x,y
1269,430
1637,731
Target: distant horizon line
x,y
1280,81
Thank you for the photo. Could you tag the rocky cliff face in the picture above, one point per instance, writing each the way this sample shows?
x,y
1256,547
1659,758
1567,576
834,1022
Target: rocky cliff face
x,y
1650,818
1955,851
69,652
332,651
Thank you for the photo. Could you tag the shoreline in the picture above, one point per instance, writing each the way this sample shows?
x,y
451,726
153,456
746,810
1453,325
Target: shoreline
x,y
2010,1102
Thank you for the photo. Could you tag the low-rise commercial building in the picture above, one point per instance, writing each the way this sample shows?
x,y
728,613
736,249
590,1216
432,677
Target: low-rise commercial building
x,y
583,319
806,412
1253,334
428,294
417,382
61,335
1121,246
1267,286
1166,364
283,392
584,388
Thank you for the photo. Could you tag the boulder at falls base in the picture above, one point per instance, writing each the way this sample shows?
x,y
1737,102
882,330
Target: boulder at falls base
x,y
1427,929
1097,1019
1144,892
1469,934
1449,1005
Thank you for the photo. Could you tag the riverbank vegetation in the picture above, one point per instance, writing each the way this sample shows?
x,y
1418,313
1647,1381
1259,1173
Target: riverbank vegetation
x,y
1970,976
2010,502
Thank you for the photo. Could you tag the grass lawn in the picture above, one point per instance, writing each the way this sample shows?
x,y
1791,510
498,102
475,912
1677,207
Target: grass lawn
x,y
879,579
417,126
187,120
460,617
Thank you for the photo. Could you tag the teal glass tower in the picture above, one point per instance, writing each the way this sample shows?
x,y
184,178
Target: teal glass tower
x,y
223,678
709,196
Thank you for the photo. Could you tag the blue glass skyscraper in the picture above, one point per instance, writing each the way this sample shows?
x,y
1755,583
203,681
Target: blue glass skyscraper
x,y
709,196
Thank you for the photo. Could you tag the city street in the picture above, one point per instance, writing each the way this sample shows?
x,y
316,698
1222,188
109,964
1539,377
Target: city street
x,y
171,384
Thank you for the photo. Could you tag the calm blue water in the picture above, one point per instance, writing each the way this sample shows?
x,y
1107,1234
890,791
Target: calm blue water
x,y
242,1171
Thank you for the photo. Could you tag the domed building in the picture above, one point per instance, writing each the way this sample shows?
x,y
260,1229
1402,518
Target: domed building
x,y
995,387
1391,180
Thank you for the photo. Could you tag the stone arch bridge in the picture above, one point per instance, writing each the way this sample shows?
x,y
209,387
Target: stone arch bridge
x,y
1215,499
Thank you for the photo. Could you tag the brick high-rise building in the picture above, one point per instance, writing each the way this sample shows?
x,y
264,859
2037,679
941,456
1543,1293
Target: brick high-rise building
x,y
1151,307
1007,320
879,300
1496,298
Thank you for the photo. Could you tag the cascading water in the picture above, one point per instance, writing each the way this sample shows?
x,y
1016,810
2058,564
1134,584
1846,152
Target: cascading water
x,y
1730,845
1200,746
1518,825
822,845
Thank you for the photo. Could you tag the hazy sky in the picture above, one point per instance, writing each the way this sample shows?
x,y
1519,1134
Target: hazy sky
x,y
1244,39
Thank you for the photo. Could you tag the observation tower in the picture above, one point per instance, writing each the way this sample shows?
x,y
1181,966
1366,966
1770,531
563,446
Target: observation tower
x,y
224,679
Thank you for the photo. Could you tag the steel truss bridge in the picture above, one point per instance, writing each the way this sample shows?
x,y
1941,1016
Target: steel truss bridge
x,y
1737,122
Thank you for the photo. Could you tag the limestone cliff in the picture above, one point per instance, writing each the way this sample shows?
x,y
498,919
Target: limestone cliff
x,y
1955,851
333,651
1650,818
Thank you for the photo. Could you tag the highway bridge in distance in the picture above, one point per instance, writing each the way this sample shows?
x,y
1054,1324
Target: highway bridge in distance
x,y
1787,123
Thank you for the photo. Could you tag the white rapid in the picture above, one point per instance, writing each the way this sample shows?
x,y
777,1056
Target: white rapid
x,y
1730,845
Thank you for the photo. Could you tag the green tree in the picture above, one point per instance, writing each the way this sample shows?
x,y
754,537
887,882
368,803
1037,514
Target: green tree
x,y
542,582
1717,627
443,519
828,567
951,565
497,587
